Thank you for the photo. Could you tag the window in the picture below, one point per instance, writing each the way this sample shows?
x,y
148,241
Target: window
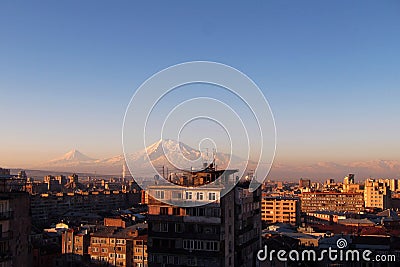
x,y
178,228
171,259
159,194
212,196
200,245
176,194
216,212
163,227
189,195
163,210
104,250
176,211
200,196
191,262
120,241
211,246
200,212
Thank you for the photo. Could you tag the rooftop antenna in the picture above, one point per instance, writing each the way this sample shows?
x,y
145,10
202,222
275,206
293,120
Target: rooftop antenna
x,y
214,156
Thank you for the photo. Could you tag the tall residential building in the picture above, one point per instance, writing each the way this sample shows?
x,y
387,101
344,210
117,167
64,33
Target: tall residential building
x,y
377,194
332,201
225,232
140,251
350,187
15,221
349,179
75,243
280,209
393,184
115,246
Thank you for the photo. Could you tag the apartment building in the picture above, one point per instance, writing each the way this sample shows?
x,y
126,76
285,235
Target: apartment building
x,y
106,245
280,209
75,242
48,208
119,246
377,194
332,201
140,251
224,231
15,222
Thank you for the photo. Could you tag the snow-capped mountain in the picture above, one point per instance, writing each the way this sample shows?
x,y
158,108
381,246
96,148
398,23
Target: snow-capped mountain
x,y
71,156
168,153
162,152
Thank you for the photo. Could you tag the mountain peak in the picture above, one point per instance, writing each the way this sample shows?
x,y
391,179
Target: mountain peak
x,y
167,144
73,155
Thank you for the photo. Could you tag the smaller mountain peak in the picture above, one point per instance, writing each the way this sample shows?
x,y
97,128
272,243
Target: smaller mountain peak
x,y
73,155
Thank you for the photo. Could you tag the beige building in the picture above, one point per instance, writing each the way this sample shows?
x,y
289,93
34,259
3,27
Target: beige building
x,y
392,183
280,209
332,201
116,246
75,243
140,251
377,194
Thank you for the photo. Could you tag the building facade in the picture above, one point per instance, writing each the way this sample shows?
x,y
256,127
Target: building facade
x,y
280,209
15,225
48,208
377,194
332,201
215,231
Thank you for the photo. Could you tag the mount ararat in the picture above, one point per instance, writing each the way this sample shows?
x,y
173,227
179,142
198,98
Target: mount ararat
x,y
75,161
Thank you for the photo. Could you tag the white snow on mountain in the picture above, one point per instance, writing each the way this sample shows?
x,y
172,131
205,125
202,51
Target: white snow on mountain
x,y
164,151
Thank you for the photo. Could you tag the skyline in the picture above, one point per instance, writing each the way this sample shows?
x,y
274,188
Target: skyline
x,y
75,161
328,70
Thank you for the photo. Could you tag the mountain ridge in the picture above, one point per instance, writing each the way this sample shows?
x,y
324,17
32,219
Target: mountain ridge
x,y
75,161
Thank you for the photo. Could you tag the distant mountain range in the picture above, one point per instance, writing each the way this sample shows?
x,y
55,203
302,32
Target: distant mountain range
x,y
159,152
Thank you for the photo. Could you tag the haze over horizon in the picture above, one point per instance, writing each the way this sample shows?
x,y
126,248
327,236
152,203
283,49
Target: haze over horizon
x,y
330,72
78,162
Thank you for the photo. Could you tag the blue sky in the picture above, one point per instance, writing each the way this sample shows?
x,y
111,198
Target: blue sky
x,y
329,69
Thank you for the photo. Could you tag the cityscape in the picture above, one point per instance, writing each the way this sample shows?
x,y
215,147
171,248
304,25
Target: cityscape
x,y
77,220
200,133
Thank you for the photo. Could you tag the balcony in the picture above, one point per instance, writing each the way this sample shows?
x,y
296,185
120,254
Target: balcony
x,y
6,215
